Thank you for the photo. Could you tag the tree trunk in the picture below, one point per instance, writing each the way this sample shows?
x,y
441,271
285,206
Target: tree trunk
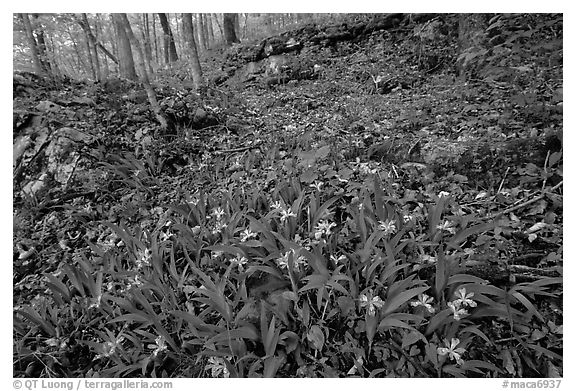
x,y
33,45
127,69
170,46
210,35
42,52
193,52
205,36
92,46
147,44
229,29
125,24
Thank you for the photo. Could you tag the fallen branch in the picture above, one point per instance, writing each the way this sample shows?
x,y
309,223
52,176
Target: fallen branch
x,y
240,149
524,204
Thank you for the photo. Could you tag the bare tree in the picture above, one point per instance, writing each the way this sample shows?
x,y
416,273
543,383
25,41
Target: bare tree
x,y
38,66
192,51
127,68
170,54
230,28
125,24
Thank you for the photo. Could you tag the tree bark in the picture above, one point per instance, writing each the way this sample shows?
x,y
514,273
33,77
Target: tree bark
x,y
125,24
33,45
195,68
91,45
42,52
229,29
210,34
170,53
127,68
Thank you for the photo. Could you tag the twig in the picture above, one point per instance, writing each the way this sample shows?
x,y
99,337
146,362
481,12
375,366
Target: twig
x,y
240,149
503,179
524,204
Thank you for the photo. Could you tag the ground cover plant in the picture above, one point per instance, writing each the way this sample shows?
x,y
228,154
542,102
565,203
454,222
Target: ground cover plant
x,y
397,212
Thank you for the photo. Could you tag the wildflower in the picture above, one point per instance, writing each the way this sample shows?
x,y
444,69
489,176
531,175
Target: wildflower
x,y
453,351
194,201
196,230
218,227
323,228
276,206
407,218
463,299
425,258
218,367
95,303
365,169
317,185
447,226
425,301
218,212
371,302
217,254
109,348
341,258
388,226
282,262
247,234
159,346
144,258
458,311
285,214
443,194
240,262
340,179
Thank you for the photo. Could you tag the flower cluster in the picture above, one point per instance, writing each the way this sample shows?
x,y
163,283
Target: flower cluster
x,y
323,228
460,305
217,367
109,348
144,258
284,213
219,225
282,262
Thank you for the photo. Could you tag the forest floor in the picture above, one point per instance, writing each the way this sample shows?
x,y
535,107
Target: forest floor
x,y
355,223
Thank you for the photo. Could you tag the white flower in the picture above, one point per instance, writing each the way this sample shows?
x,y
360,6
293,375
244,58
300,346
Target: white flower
x,y
457,310
341,258
95,303
276,205
159,346
109,348
285,214
447,226
218,212
425,301
323,228
443,194
425,258
218,367
317,185
453,351
282,262
144,258
240,262
371,302
464,299
388,226
407,218
247,234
